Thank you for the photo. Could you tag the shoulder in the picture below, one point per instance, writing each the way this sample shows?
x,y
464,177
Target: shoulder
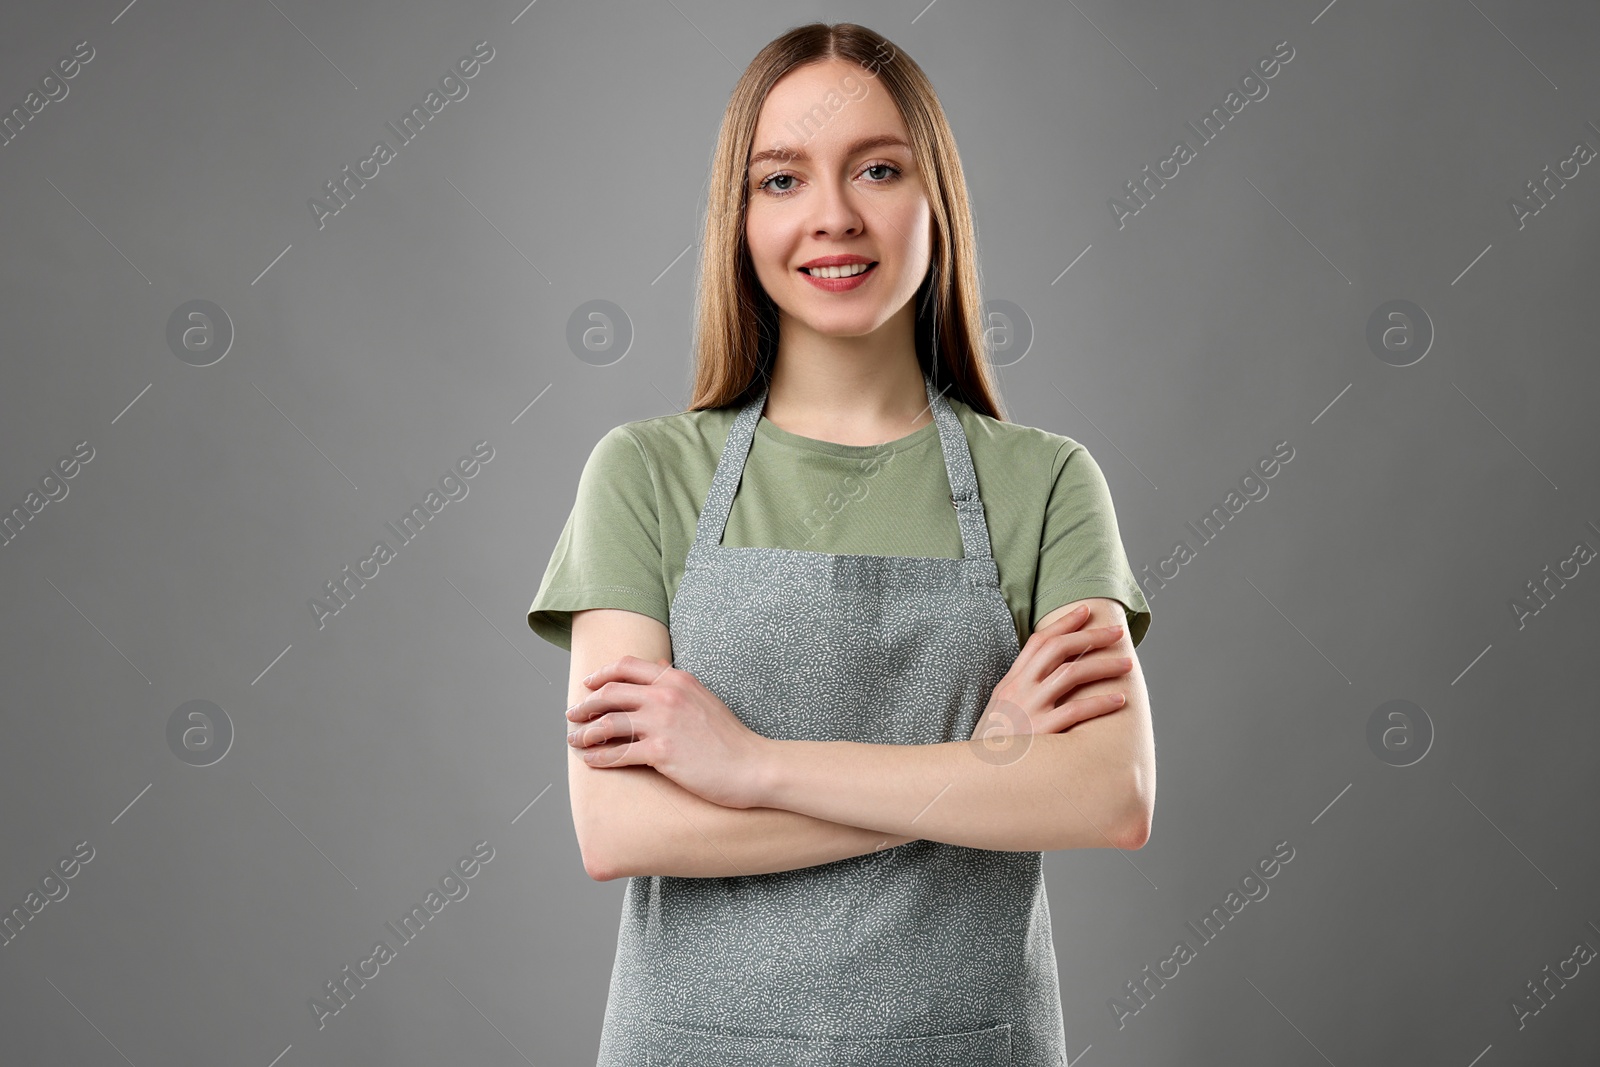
x,y
1012,444
670,442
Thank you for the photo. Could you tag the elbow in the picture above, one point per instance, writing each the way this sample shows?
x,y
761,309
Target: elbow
x,y
599,852
604,842
599,874
602,866
618,831
594,867
1135,832
1141,796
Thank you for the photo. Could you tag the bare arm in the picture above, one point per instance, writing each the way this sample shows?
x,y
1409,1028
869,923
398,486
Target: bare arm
x,y
1091,786
633,820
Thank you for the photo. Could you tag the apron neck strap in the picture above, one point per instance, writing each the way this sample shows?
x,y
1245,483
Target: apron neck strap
x,y
970,515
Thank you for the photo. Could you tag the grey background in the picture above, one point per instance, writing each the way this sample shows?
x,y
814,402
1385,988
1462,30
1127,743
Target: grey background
x,y
431,313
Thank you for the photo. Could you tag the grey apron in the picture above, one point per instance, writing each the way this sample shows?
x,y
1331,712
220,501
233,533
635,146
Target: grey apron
x,y
925,953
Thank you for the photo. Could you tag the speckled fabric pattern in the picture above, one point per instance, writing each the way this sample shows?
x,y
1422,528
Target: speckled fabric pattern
x,y
925,953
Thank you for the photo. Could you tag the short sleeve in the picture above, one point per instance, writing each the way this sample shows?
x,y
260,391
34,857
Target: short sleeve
x,y
1080,550
609,552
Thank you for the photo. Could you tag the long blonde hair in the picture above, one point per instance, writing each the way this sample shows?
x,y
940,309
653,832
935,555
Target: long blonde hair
x,y
736,322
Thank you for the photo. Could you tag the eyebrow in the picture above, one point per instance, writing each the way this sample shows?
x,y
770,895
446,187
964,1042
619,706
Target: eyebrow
x,y
856,147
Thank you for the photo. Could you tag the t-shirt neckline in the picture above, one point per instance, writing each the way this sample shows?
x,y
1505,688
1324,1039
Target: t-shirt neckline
x,y
768,430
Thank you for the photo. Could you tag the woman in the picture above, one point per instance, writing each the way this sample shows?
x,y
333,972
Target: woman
x,y
832,837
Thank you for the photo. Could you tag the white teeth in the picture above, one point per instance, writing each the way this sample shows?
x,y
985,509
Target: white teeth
x,y
837,272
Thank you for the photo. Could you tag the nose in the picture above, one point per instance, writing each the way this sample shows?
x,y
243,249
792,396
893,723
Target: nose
x,y
837,215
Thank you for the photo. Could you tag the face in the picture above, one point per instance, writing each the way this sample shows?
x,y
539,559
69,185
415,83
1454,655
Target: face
x,y
828,194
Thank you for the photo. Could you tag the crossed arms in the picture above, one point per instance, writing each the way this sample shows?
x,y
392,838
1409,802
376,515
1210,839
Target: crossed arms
x,y
1091,786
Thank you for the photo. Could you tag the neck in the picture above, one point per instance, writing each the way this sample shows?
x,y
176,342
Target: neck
x,y
849,392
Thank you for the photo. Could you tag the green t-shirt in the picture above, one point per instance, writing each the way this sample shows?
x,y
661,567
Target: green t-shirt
x,y
1051,525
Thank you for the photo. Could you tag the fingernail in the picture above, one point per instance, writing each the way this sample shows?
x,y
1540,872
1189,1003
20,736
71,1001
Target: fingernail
x,y
587,679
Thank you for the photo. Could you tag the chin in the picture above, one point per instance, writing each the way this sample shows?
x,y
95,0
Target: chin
x,y
853,327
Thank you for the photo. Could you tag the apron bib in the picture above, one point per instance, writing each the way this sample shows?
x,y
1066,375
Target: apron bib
x,y
925,953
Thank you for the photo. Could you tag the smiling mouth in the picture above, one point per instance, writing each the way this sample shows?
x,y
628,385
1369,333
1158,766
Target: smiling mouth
x,y
811,271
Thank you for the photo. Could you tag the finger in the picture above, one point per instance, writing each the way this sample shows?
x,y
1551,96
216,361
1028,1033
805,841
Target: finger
x,y
1095,638
626,669
611,696
621,754
1054,651
1078,672
1070,714
1028,662
1072,620
600,730
1080,642
1090,668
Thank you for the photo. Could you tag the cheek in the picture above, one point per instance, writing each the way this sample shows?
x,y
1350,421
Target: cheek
x,y
766,246
912,228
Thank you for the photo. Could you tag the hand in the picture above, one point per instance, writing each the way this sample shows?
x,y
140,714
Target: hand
x,y
655,715
1028,700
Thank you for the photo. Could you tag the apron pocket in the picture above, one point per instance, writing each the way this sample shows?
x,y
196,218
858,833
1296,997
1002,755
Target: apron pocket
x,y
672,1045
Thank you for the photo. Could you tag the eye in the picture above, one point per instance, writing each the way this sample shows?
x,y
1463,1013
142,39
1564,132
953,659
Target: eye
x,y
893,174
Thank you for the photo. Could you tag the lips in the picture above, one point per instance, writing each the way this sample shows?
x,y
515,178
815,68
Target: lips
x,y
870,267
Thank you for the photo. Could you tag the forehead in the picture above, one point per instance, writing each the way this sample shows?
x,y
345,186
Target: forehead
x,y
821,109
